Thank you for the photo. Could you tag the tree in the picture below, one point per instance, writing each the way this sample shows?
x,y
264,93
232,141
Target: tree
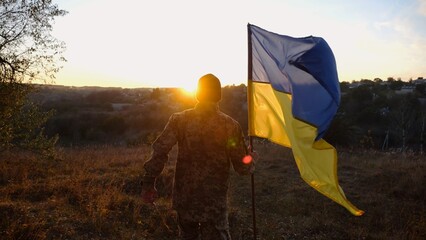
x,y
342,131
28,52
395,84
405,112
344,86
378,80
156,94
421,89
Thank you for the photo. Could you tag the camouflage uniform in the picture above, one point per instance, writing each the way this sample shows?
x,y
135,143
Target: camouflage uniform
x,y
209,142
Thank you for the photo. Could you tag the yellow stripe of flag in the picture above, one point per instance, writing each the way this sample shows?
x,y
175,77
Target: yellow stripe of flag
x,y
270,116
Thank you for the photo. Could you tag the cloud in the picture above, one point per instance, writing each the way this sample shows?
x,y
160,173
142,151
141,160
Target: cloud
x,y
382,25
422,7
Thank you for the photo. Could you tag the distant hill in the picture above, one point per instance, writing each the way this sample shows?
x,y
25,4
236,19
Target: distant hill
x,y
373,114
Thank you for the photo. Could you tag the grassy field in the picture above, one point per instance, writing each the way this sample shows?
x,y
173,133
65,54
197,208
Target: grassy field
x,y
93,193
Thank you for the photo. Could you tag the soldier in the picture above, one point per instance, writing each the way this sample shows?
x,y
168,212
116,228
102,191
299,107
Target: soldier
x,y
209,142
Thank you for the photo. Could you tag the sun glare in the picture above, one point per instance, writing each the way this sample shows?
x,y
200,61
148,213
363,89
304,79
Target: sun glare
x,y
189,90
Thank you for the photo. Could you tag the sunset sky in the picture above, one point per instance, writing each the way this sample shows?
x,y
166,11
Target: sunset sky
x,y
171,43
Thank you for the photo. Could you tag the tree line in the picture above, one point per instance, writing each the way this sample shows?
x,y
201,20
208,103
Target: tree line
x,y
373,114
380,114
121,116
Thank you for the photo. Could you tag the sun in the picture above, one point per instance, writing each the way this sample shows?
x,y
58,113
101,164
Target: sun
x,y
189,89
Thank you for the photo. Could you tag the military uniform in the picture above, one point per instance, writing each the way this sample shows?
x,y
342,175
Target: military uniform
x,y
209,142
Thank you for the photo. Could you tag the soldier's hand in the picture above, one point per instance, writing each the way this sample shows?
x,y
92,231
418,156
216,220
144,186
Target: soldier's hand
x,y
254,157
149,195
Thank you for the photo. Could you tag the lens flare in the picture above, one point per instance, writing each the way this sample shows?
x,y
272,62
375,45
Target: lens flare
x,y
231,143
247,159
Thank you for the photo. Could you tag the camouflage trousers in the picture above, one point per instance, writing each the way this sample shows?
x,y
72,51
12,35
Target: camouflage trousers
x,y
210,230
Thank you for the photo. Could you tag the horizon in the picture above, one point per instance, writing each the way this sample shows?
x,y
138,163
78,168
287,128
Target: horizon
x,y
177,87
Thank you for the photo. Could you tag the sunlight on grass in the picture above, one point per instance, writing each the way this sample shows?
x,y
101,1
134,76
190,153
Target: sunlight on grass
x,y
94,193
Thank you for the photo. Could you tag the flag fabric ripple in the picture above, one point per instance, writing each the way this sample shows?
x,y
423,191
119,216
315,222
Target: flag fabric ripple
x,y
293,95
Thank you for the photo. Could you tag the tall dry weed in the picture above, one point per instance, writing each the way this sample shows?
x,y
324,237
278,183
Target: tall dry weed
x,y
93,193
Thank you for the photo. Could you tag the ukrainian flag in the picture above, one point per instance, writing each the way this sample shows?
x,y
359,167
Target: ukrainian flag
x,y
293,95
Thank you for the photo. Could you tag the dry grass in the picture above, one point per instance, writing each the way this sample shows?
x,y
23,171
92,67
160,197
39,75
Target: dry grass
x,y
93,193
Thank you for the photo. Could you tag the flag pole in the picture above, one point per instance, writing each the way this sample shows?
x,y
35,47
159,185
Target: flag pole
x,y
249,95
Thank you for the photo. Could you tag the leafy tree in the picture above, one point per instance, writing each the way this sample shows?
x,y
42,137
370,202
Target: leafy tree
x,y
114,126
234,103
342,131
356,104
395,85
156,94
28,52
367,82
344,86
405,111
378,80
421,89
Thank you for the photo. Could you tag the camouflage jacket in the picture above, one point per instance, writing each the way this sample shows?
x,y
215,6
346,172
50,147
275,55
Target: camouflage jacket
x,y
209,142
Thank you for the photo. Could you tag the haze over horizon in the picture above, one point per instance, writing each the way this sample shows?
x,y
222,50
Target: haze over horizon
x,y
169,43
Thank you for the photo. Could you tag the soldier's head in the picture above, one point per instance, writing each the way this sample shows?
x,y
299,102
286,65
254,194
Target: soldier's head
x,y
209,89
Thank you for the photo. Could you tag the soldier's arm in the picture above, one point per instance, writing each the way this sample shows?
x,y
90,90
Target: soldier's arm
x,y
160,151
237,150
